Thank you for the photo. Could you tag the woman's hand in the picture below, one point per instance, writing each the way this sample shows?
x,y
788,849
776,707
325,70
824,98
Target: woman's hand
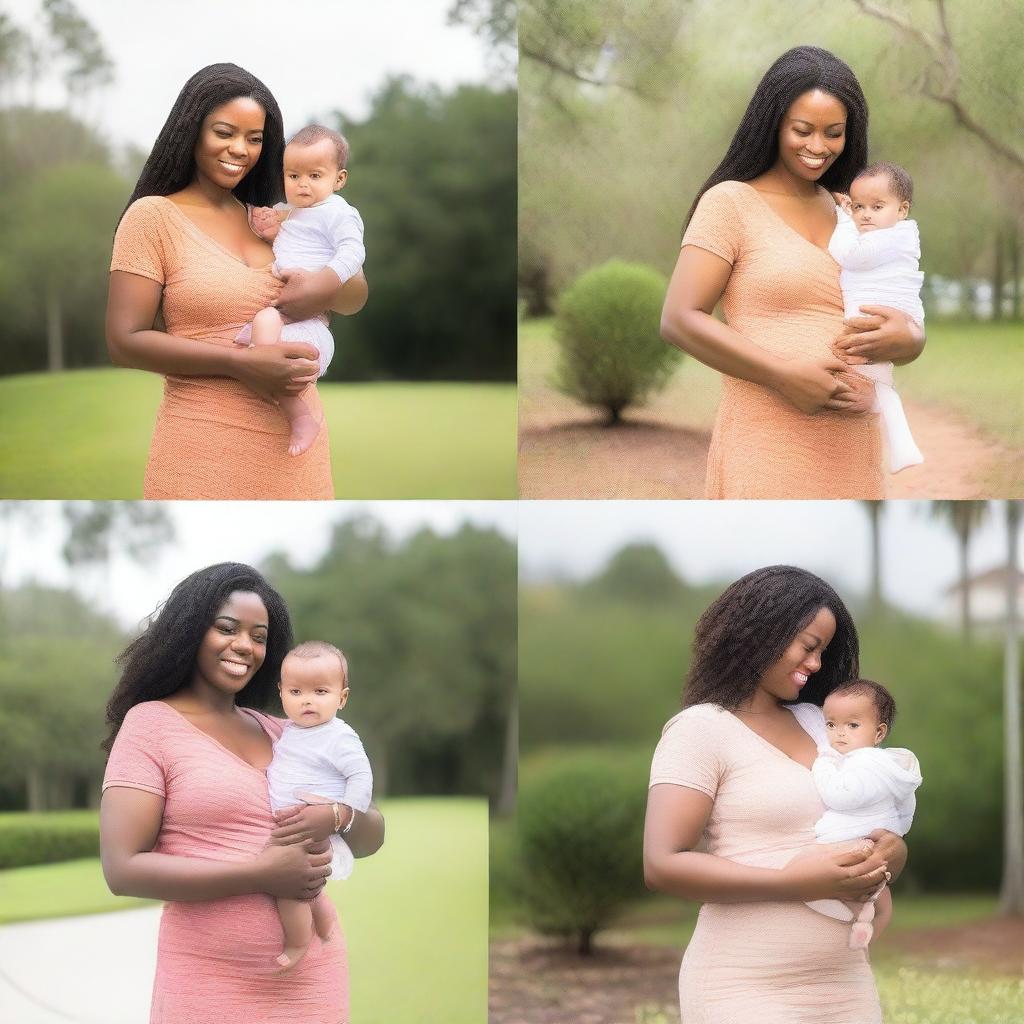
x,y
296,871
302,822
277,371
884,335
858,399
811,385
892,848
845,875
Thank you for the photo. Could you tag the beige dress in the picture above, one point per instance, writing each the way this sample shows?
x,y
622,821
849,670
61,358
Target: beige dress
x,y
784,296
759,963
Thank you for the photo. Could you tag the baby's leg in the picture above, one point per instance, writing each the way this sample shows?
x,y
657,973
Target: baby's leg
x,y
323,919
297,923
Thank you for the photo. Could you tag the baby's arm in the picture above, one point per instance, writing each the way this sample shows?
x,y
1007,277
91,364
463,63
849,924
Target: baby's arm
x,y
874,249
847,785
346,234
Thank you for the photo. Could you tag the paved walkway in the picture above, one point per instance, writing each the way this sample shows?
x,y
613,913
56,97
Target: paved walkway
x,y
96,969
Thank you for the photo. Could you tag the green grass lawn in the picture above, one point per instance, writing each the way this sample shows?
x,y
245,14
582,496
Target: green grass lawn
x,y
972,368
85,434
414,915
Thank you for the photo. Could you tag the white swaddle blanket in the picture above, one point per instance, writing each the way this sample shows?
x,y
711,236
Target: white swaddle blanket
x,y
880,268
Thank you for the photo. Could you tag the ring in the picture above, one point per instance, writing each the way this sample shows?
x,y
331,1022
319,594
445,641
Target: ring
x,y
888,876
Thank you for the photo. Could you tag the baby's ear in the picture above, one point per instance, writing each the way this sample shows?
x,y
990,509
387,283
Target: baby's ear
x,y
904,210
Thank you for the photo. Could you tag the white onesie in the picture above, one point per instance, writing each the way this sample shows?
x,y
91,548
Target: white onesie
x,y
880,268
329,761
329,234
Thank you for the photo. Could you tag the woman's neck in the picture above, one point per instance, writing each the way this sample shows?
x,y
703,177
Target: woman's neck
x,y
203,192
761,703
200,698
783,182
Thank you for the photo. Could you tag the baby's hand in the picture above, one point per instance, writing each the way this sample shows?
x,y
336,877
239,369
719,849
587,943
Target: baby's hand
x,y
843,200
265,222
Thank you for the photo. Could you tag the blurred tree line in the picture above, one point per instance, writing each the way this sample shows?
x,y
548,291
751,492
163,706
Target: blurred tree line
x,y
433,173
625,109
429,626
602,665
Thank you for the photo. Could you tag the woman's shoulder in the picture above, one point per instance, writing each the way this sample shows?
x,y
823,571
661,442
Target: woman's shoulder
x,y
697,717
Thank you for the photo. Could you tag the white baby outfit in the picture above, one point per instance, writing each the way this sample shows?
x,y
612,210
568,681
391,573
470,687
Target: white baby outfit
x,y
329,234
880,268
327,760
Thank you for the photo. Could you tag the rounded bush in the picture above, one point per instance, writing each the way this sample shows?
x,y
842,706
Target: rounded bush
x,y
36,842
580,832
607,327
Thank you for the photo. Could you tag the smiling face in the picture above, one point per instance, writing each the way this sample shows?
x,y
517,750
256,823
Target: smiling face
x,y
874,205
313,690
852,722
233,648
311,173
801,659
812,134
230,142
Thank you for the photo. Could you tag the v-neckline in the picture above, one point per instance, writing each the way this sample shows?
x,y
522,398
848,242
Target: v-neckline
x,y
262,772
789,227
769,744
213,241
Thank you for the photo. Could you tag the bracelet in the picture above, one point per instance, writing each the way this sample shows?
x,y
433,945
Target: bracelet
x,y
337,817
336,807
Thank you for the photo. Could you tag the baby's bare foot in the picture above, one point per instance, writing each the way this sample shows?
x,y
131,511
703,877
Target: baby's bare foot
x,y
290,956
304,431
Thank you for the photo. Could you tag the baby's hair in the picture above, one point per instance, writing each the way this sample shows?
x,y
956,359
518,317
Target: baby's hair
x,y
314,133
899,181
885,706
318,649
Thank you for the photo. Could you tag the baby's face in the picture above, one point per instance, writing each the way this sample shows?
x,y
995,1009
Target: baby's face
x,y
311,173
873,204
313,690
852,722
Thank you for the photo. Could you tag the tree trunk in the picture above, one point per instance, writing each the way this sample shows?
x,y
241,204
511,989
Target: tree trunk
x,y
54,332
1014,240
510,761
585,946
998,272
875,516
1011,896
35,785
965,587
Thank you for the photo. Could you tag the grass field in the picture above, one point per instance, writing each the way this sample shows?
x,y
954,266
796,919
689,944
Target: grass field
x,y
85,434
972,368
414,915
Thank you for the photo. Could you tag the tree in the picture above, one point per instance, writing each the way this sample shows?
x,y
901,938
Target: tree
x,y
638,573
1011,897
874,510
963,517
495,20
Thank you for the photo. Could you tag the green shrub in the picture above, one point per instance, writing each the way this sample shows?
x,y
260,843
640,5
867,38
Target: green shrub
x,y
610,352
32,839
580,831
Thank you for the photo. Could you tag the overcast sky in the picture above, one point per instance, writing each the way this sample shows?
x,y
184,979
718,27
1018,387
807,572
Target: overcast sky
x,y
315,56
224,531
722,540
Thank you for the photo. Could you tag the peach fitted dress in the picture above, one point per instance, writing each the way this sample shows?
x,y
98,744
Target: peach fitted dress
x,y
769,963
215,959
214,438
784,296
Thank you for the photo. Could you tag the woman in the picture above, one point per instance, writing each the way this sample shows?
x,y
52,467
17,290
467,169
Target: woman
x,y
794,421
734,767
184,249
185,815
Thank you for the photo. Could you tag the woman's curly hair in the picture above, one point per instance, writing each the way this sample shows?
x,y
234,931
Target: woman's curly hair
x,y
747,630
162,659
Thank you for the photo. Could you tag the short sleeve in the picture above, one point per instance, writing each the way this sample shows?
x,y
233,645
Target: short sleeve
x,y
136,760
688,752
716,225
140,241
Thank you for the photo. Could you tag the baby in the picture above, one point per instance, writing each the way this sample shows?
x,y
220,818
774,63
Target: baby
x,y
318,759
878,250
316,229
862,786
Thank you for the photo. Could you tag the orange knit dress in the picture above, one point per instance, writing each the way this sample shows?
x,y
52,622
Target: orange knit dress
x,y
214,438
783,295
215,958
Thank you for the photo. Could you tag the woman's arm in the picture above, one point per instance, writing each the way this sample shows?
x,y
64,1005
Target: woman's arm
x,y
129,825
676,817
272,371
697,284
884,335
316,822
309,293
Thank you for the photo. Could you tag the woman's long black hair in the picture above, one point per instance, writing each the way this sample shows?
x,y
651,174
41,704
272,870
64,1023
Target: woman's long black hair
x,y
171,164
747,630
755,146
163,658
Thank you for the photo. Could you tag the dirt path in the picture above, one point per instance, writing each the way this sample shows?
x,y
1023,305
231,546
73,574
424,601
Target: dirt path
x,y
565,452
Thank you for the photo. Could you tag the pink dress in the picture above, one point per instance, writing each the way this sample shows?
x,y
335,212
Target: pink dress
x,y
769,963
215,959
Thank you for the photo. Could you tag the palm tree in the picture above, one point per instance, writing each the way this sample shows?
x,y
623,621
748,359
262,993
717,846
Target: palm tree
x,y
1011,897
963,516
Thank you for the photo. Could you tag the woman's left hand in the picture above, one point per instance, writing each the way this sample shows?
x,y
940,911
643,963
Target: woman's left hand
x,y
858,399
306,293
302,822
884,335
891,848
